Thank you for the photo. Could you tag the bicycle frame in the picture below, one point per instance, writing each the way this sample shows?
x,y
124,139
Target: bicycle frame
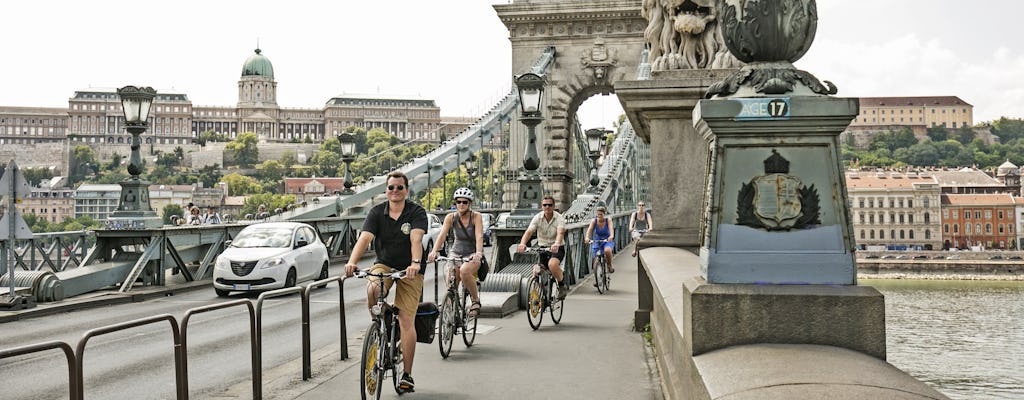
x,y
385,331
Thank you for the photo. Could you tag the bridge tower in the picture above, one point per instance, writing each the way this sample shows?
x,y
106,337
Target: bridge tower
x,y
597,43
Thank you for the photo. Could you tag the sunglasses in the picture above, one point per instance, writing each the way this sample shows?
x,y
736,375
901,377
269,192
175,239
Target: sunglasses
x,y
396,187
639,205
462,201
547,205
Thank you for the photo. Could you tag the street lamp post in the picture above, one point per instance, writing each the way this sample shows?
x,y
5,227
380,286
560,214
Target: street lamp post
x,y
531,93
470,171
595,137
133,209
348,153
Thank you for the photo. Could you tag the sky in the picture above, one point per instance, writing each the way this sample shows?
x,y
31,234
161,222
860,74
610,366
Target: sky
x,y
457,51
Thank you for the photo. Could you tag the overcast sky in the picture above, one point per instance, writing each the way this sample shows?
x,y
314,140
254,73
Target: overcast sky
x,y
457,51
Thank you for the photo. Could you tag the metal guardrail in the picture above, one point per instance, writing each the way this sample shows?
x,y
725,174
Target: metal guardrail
x,y
179,372
254,348
69,354
75,358
56,251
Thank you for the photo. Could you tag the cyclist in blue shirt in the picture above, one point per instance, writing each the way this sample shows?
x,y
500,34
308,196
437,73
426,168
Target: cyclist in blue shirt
x,y
601,229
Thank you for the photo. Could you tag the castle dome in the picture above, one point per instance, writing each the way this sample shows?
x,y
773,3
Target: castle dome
x,y
258,65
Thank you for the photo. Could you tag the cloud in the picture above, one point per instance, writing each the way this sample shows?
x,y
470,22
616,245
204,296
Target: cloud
x,y
909,66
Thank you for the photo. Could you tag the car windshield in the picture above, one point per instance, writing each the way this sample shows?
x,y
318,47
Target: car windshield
x,y
263,237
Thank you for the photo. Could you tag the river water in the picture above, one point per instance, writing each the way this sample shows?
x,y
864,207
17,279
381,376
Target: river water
x,y
964,338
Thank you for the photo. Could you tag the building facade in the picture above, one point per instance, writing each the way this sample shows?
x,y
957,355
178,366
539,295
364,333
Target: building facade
x,y
52,205
894,210
979,221
94,116
305,189
929,112
96,201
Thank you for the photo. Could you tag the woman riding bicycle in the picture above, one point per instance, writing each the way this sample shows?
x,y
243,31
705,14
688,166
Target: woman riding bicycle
x,y
469,243
601,229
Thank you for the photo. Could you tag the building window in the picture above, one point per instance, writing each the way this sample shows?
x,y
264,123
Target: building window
x,y
988,228
988,214
872,234
910,203
977,229
945,228
927,234
1000,214
902,235
967,214
1001,229
956,228
911,233
927,218
862,234
892,234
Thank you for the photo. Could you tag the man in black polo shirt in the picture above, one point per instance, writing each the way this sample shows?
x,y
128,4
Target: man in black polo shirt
x,y
396,228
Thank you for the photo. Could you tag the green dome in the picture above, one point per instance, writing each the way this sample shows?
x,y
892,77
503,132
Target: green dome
x,y
258,65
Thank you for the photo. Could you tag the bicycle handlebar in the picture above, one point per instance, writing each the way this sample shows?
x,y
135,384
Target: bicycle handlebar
x,y
363,273
448,258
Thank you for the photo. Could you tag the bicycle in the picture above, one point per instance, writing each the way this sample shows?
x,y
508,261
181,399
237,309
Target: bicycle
x,y
602,279
455,310
382,350
541,294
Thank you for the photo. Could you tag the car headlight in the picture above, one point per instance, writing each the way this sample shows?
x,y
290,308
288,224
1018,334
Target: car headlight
x,y
222,263
271,263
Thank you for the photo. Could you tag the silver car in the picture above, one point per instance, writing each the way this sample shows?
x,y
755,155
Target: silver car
x,y
270,256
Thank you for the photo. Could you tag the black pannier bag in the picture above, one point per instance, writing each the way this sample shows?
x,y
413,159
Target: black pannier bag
x,y
426,319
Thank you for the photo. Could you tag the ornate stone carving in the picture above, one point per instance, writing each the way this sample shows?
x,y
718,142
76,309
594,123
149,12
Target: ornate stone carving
x,y
769,35
598,60
685,34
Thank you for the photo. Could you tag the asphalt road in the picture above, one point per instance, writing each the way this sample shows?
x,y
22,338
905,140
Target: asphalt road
x,y
139,364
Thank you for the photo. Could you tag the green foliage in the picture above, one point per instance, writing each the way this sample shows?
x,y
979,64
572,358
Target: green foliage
x,y
36,175
1008,129
271,170
211,136
244,148
273,202
241,185
41,225
169,211
288,159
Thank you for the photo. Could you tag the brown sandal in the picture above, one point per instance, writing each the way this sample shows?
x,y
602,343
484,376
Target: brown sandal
x,y
474,309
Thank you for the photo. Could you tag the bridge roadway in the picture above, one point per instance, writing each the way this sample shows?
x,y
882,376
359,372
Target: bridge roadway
x,y
593,351
591,354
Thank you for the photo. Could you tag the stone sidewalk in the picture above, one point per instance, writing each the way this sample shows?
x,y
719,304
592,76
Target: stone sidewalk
x,y
591,354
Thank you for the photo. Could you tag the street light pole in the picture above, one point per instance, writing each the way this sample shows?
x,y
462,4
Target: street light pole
x,y
133,209
348,152
531,93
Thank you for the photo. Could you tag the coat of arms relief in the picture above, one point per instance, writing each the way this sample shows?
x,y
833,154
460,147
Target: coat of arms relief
x,y
777,201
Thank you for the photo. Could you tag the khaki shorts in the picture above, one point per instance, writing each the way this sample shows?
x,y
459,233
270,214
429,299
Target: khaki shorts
x,y
407,296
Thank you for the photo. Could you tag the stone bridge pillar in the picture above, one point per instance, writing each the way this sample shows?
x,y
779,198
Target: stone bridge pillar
x,y
597,43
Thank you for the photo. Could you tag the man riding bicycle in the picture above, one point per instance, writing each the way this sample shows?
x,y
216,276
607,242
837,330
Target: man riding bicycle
x,y
469,243
601,229
396,228
550,228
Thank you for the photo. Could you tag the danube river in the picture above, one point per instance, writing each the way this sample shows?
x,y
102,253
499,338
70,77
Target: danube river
x,y
964,338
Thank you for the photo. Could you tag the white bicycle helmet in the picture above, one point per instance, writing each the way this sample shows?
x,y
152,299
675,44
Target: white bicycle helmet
x,y
463,192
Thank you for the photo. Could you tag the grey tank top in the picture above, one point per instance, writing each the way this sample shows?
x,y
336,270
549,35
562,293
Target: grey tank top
x,y
464,245
639,224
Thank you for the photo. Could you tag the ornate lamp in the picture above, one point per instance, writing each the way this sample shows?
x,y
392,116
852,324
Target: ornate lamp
x,y
531,95
531,92
469,163
348,153
133,210
595,139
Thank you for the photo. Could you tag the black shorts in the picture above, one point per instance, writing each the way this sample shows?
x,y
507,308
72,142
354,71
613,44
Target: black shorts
x,y
547,256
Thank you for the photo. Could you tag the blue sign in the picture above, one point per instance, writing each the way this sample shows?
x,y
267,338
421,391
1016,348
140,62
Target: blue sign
x,y
763,109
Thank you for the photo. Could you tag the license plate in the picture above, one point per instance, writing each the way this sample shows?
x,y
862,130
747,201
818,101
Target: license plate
x,y
241,287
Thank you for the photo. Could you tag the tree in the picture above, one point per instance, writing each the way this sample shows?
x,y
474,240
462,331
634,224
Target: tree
x,y
288,159
241,185
171,210
272,201
83,163
36,175
271,170
115,162
244,147
209,175
1008,128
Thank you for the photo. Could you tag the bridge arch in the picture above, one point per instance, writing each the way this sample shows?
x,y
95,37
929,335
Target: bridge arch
x,y
597,43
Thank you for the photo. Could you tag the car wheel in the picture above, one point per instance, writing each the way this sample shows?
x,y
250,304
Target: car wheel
x,y
289,281
323,272
221,292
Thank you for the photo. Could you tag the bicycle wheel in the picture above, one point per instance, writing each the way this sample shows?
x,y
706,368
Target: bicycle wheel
x,y
556,304
599,273
446,325
372,372
468,322
397,367
535,303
